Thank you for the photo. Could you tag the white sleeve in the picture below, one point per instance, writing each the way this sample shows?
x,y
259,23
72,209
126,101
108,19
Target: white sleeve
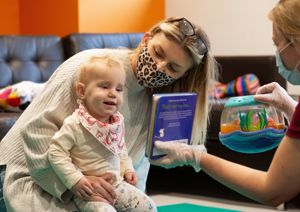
x,y
126,162
59,155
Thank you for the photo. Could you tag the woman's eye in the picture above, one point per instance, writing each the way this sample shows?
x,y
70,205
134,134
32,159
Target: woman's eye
x,y
170,67
157,53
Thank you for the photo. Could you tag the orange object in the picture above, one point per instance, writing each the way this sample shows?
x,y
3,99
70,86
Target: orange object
x,y
273,124
279,126
227,128
61,18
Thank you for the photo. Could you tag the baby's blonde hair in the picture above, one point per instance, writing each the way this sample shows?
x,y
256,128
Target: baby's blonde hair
x,y
105,60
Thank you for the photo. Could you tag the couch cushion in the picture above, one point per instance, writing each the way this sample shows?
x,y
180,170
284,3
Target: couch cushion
x,y
31,58
77,42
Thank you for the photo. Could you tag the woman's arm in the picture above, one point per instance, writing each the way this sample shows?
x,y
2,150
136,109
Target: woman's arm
x,y
42,119
279,184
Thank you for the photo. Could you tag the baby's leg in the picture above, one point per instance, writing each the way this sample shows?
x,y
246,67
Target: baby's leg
x,y
129,198
93,206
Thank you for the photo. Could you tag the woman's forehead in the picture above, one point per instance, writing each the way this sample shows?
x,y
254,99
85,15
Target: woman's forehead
x,y
173,50
278,36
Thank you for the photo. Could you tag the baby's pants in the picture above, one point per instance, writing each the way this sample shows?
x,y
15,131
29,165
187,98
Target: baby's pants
x,y
129,199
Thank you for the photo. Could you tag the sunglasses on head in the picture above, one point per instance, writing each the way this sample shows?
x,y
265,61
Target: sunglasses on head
x,y
188,30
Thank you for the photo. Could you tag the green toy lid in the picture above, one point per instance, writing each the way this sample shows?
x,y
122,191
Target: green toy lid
x,y
241,101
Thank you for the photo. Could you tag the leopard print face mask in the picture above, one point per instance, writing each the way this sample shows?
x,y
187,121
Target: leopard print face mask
x,y
148,74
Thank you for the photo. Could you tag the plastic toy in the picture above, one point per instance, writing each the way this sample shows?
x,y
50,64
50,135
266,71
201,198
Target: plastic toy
x,y
248,126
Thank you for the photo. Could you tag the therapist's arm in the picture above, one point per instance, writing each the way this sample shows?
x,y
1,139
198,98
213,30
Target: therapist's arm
x,y
278,185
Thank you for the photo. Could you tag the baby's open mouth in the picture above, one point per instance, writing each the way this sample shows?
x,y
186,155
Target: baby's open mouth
x,y
110,103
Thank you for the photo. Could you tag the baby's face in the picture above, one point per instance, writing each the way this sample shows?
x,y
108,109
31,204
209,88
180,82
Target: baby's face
x,y
103,92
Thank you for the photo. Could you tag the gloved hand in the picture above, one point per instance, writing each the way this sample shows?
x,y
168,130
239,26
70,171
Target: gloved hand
x,y
179,154
273,94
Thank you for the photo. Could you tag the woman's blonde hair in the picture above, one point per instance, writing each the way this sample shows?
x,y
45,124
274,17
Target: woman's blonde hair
x,y
286,15
198,78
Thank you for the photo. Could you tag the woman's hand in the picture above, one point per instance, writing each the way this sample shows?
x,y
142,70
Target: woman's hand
x,y
179,154
96,188
83,188
273,94
131,178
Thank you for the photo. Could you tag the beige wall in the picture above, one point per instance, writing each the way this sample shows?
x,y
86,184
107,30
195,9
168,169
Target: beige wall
x,y
235,27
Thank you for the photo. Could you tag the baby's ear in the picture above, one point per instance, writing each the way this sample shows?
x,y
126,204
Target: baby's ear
x,y
80,90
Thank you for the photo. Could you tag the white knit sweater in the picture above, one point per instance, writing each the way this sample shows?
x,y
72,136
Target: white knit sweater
x,y
24,148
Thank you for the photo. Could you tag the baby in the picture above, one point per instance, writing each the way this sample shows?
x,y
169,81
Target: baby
x,y
91,140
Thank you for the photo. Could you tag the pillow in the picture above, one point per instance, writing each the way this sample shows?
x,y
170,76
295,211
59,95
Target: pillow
x,y
2,174
17,97
243,85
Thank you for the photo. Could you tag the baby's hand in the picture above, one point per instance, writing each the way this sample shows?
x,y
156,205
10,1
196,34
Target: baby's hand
x,y
83,188
131,178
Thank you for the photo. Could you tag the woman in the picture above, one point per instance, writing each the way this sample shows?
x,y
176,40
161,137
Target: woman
x,y
173,56
281,182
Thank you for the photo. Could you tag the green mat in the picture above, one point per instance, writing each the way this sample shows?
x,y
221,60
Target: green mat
x,y
190,208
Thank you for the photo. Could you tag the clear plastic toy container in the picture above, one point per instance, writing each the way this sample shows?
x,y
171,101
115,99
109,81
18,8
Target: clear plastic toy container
x,y
248,126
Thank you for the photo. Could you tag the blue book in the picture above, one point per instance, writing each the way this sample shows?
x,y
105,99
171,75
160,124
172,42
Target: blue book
x,y
172,117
